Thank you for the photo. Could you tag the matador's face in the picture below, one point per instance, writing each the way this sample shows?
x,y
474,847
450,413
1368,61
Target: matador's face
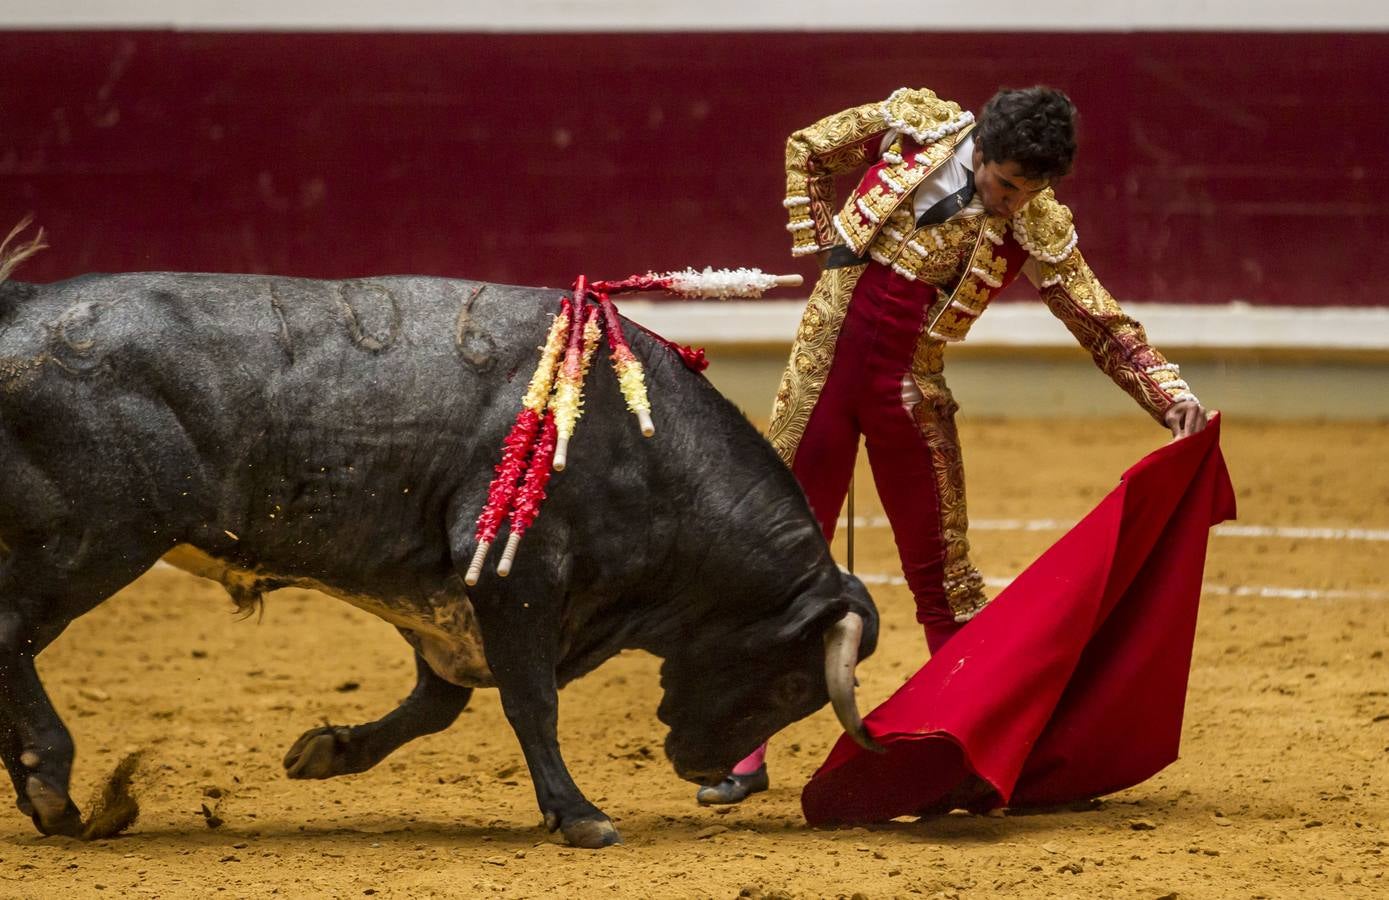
x,y
1001,186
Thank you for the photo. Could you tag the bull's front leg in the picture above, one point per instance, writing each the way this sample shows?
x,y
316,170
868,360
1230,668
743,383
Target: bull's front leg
x,y
332,750
521,638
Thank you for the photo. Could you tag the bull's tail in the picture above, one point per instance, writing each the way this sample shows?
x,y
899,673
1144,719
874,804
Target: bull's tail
x,y
12,257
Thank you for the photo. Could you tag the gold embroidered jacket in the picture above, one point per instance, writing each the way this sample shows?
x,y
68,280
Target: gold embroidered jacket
x,y
876,215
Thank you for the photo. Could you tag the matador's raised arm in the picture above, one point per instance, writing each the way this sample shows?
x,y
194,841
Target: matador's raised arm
x,y
814,155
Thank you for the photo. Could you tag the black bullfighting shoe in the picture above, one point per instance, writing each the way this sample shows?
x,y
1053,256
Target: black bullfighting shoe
x,y
734,788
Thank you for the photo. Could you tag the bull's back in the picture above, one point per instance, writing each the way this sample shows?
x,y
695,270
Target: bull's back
x,y
255,406
379,423
258,349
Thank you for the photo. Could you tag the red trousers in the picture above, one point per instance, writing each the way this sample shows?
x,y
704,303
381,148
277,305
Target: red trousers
x,y
869,391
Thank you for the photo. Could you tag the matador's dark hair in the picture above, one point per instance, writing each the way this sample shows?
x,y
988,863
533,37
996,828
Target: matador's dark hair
x,y
1034,127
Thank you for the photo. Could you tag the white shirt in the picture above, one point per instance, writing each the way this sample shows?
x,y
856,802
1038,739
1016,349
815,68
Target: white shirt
x,y
948,178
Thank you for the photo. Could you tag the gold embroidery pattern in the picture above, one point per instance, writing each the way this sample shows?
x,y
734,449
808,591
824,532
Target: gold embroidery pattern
x,y
935,417
814,155
821,233
1117,343
894,233
952,319
845,158
811,355
929,358
879,203
938,152
995,267
865,211
937,253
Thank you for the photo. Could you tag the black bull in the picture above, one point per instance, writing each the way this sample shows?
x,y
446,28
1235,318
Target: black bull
x,y
341,435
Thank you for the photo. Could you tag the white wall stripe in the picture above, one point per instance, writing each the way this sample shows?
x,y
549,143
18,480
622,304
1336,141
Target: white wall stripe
x,y
1292,532
1027,324
710,15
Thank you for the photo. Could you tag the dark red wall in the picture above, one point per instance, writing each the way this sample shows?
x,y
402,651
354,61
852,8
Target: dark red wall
x,y
1214,166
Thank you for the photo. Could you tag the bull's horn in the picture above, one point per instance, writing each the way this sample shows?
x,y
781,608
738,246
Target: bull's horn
x,y
841,657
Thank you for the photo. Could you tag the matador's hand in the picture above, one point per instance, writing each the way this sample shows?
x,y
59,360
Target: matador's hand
x,y
1185,417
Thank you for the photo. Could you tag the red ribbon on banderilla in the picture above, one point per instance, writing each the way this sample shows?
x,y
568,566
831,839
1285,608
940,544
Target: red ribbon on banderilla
x,y
538,442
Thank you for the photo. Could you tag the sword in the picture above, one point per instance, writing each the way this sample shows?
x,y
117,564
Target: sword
x,y
851,520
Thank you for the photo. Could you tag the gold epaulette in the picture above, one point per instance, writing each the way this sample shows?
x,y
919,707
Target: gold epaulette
x,y
1045,229
921,115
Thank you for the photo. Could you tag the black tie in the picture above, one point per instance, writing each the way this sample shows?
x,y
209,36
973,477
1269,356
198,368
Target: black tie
x,y
947,206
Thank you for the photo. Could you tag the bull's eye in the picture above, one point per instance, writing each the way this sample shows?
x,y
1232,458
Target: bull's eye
x,y
793,689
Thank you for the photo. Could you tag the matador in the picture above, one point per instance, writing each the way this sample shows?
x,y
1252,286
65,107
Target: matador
x,y
948,213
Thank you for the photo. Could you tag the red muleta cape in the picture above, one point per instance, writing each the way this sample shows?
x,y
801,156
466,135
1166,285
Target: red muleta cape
x,y
1071,683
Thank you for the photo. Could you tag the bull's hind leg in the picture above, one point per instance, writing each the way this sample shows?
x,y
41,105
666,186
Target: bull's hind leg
x,y
332,750
42,589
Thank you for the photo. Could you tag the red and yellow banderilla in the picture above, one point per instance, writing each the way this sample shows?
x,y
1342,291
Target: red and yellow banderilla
x,y
538,442
518,444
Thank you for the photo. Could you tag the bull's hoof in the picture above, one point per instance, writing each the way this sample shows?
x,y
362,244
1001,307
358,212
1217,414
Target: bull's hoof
x,y
51,809
591,834
321,753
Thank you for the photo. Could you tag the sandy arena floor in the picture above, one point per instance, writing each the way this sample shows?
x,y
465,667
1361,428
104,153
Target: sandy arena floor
x,y
1281,790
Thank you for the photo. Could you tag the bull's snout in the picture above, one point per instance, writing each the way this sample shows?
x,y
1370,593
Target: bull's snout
x,y
702,772
704,777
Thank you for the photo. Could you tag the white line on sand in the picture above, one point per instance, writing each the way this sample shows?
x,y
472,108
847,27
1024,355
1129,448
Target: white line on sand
x,y
1237,531
1266,592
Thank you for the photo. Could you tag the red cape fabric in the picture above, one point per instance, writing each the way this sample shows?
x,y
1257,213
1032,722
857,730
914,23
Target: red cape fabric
x,y
1071,683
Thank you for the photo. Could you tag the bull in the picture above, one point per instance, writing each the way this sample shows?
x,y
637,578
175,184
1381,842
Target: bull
x,y
340,435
